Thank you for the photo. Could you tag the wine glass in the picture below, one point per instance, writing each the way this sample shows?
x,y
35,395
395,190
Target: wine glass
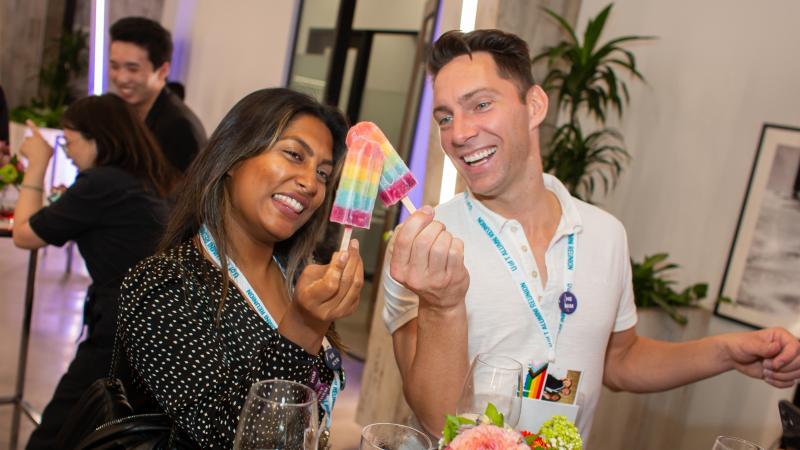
x,y
492,379
391,436
734,443
278,414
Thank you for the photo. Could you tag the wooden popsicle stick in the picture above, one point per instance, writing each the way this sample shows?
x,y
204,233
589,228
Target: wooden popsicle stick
x,y
409,206
348,231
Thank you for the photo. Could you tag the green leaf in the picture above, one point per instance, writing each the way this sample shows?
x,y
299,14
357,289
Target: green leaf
x,y
595,27
673,313
452,425
564,24
700,290
495,416
652,288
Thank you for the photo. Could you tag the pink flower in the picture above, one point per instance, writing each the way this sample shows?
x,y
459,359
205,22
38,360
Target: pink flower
x,y
488,437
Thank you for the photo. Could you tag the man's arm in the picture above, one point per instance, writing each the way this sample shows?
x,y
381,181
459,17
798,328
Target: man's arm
x,y
639,364
431,350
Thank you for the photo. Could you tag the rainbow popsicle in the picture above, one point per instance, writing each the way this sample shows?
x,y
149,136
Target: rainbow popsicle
x,y
358,186
396,178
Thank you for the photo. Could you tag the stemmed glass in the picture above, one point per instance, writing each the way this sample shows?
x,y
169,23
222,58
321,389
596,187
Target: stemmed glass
x,y
278,414
391,436
492,379
734,443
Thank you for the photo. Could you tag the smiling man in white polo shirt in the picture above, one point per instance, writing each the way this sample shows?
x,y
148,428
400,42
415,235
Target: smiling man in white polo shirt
x,y
518,267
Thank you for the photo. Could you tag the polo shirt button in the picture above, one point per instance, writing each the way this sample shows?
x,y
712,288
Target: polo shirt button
x,y
524,248
513,229
534,274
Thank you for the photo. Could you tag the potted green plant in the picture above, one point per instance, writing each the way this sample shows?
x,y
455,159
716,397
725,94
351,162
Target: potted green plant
x,y
585,80
584,76
653,287
56,79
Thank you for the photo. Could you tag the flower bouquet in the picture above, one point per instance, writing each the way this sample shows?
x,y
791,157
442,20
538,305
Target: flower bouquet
x,y
11,173
489,432
11,168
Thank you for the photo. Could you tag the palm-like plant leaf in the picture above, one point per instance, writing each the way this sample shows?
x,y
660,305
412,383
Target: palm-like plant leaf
x,y
585,77
565,26
580,161
651,287
591,80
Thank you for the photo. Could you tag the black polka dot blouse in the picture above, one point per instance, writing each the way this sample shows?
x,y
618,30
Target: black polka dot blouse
x,y
198,371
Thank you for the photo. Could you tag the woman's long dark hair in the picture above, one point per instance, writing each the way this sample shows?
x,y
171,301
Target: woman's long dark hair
x,y
254,125
122,139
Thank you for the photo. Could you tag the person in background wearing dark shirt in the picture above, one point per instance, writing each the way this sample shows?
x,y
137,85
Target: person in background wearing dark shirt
x,y
139,63
3,117
177,88
115,211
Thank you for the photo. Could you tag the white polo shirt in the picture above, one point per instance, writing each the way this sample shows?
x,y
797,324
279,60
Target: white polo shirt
x,y
499,319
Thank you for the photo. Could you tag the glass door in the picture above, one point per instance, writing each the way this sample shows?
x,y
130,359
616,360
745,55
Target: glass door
x,y
367,58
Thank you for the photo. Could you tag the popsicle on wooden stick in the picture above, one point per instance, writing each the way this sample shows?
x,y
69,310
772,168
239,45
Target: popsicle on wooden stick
x,y
396,178
358,187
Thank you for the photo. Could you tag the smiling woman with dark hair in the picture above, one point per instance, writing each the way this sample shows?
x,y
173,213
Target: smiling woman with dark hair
x,y
256,203
115,211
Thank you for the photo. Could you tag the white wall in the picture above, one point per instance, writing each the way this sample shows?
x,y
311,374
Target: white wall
x,y
236,48
718,71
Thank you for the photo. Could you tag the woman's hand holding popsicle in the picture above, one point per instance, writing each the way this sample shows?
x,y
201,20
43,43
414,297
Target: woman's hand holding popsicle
x,y
323,293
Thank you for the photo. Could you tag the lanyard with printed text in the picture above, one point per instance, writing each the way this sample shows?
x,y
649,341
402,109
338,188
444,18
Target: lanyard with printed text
x,y
567,300
240,281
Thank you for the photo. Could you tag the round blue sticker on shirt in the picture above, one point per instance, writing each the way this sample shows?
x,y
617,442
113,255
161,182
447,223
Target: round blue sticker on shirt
x,y
568,302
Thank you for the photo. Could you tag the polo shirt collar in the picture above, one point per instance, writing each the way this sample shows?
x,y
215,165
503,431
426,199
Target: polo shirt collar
x,y
570,217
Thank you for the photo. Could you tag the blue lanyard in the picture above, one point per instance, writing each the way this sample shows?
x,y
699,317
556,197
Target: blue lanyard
x,y
240,281
523,284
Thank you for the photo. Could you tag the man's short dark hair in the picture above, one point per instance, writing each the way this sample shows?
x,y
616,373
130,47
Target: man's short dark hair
x,y
145,33
510,54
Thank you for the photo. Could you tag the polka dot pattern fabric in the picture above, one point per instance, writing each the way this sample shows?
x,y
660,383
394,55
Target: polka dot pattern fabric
x,y
197,370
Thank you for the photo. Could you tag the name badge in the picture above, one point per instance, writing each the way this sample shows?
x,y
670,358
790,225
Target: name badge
x,y
333,359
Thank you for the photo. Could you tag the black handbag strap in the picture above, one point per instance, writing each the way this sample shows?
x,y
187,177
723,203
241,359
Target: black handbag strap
x,y
112,371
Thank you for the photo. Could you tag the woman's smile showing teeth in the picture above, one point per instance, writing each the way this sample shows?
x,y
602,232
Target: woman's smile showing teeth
x,y
479,156
293,204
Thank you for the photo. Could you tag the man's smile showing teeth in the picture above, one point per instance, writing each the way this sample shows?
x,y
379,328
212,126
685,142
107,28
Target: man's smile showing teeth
x,y
290,202
479,156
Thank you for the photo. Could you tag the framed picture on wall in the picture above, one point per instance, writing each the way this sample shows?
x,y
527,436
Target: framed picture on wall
x,y
762,278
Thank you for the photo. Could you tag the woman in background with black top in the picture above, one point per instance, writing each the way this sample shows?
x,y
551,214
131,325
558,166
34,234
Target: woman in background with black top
x,y
115,211
256,201
3,117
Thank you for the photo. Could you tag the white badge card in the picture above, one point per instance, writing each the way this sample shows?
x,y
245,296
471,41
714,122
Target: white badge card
x,y
548,391
536,412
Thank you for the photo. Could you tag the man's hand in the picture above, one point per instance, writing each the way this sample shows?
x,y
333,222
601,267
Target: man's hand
x,y
425,258
429,261
772,354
